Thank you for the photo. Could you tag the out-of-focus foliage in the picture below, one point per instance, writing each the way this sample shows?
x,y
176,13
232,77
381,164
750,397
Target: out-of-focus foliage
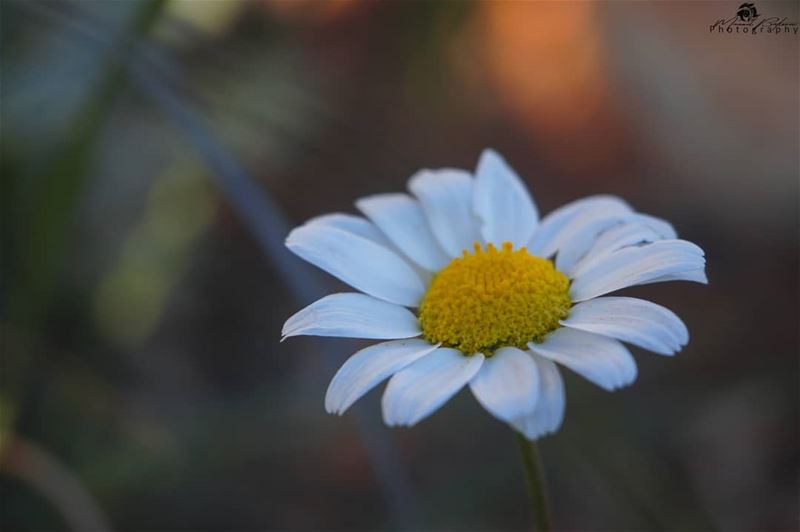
x,y
130,298
141,369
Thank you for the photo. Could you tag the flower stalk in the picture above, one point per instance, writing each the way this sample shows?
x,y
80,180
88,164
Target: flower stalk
x,y
537,488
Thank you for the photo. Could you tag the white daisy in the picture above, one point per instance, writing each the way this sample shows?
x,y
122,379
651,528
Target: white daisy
x,y
470,287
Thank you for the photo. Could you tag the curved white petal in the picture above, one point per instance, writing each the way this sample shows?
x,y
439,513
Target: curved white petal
x,y
352,224
365,228
400,217
549,235
662,227
353,316
549,412
507,384
359,262
502,202
602,360
623,235
695,276
631,320
579,237
368,367
446,198
421,388
637,265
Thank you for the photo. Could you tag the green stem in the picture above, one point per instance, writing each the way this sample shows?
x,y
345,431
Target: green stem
x,y
537,489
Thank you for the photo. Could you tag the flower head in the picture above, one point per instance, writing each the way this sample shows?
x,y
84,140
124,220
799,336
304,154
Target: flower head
x,y
469,287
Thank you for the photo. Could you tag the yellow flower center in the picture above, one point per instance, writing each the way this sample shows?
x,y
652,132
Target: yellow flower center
x,y
488,299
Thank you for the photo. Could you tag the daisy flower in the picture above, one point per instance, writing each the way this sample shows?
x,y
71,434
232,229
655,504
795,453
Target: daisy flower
x,y
467,286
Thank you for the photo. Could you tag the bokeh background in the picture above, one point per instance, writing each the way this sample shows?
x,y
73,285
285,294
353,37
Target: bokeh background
x,y
156,153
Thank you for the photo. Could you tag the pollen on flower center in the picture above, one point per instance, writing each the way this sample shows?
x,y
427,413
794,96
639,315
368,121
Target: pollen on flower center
x,y
492,298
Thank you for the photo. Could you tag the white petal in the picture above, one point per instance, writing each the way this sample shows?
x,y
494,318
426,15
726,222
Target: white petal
x,y
400,217
507,384
353,316
502,202
549,234
362,227
580,235
368,367
549,411
446,198
631,320
637,265
604,361
623,235
659,225
419,389
359,262
695,276
352,224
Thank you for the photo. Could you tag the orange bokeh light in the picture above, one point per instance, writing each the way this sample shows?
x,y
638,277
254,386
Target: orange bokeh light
x,y
545,60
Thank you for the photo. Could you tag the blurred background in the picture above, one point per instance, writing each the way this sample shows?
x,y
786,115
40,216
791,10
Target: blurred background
x,y
156,153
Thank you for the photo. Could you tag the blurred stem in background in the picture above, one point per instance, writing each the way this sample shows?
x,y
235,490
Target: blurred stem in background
x,y
268,225
537,485
54,481
56,192
264,219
